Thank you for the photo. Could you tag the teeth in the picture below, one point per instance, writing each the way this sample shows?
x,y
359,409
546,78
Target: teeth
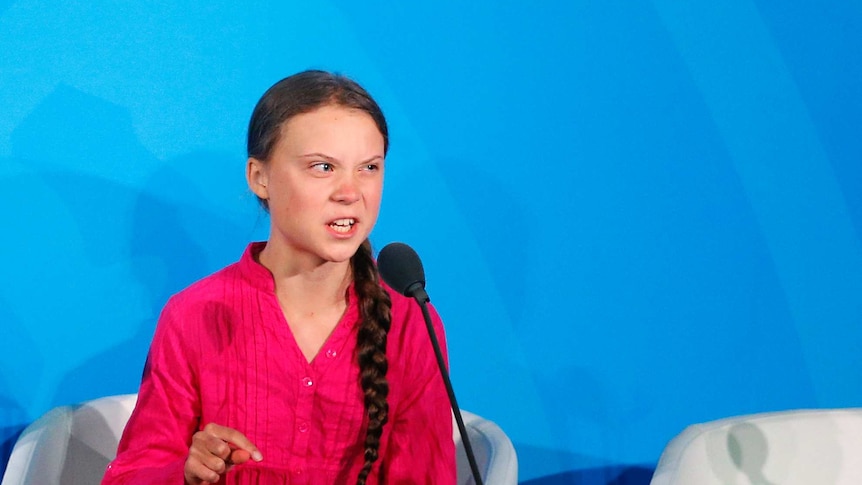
x,y
342,225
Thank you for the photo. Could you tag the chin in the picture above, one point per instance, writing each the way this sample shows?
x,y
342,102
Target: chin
x,y
341,255
338,259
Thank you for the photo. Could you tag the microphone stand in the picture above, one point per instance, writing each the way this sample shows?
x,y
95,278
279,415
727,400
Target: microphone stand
x,y
421,297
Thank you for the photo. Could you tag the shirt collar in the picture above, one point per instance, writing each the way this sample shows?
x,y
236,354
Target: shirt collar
x,y
261,278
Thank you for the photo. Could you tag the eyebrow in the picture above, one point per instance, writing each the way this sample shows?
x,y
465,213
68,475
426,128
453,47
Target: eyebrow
x,y
333,159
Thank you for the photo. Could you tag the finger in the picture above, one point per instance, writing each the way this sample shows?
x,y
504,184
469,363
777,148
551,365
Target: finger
x,y
212,462
215,446
208,461
196,473
238,457
235,438
208,451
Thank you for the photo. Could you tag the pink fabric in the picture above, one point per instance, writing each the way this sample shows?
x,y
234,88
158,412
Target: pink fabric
x,y
223,353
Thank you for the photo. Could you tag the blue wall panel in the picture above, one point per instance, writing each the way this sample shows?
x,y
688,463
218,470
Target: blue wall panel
x,y
633,215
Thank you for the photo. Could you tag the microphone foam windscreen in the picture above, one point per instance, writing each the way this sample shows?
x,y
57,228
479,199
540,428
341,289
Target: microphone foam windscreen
x,y
400,267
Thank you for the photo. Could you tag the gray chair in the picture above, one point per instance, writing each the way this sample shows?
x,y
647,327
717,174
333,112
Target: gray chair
x,y
72,445
801,447
495,455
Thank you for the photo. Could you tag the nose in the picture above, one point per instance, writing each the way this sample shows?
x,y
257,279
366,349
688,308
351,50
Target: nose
x,y
347,190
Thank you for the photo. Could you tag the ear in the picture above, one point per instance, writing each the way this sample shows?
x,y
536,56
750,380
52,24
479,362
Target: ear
x,y
257,177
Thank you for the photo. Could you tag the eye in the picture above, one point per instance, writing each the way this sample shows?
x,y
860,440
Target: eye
x,y
371,167
322,167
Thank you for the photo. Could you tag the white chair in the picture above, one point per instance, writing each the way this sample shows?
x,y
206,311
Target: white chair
x,y
72,445
802,447
495,455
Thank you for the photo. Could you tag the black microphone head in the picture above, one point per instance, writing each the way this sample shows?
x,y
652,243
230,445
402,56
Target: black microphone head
x,y
401,268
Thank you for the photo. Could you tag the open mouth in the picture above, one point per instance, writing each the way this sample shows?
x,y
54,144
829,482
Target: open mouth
x,y
342,226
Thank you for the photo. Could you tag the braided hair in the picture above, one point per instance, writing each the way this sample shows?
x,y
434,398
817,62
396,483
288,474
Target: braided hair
x,y
374,308
302,93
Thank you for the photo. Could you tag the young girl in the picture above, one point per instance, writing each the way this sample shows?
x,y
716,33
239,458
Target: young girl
x,y
296,365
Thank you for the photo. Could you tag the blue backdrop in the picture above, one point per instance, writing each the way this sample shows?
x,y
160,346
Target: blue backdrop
x,y
633,215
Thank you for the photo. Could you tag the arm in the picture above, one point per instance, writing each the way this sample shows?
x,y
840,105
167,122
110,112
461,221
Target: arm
x,y
163,442
420,449
156,439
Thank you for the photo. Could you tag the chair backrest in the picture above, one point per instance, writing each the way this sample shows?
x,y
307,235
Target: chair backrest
x,y
72,445
789,448
495,454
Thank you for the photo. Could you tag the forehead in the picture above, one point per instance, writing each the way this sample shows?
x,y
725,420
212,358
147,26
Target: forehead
x,y
329,118
332,130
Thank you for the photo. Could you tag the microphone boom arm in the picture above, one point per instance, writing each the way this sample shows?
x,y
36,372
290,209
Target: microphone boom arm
x,y
422,298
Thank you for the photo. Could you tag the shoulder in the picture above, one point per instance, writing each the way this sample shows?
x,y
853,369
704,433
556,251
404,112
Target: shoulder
x,y
400,303
228,284
404,309
214,286
206,300
408,324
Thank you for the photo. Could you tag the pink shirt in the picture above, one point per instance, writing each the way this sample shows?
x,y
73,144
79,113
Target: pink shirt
x,y
223,353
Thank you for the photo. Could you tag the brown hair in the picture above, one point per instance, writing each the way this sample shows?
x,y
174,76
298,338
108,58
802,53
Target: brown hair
x,y
302,93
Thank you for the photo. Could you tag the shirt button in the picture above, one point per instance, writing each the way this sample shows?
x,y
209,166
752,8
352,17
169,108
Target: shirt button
x,y
303,427
297,471
307,382
331,353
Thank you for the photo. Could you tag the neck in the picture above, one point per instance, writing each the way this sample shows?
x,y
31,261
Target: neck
x,y
306,282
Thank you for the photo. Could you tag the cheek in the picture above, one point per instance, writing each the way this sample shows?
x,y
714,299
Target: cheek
x,y
293,196
374,195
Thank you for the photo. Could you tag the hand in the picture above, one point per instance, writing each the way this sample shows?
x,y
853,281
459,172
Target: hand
x,y
215,450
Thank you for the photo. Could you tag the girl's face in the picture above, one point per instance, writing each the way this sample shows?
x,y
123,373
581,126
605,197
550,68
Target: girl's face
x,y
323,183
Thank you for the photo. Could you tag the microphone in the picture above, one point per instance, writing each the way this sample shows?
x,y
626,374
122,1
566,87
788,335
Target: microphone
x,y
401,268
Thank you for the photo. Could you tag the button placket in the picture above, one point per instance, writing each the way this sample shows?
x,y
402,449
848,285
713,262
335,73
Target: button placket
x,y
302,424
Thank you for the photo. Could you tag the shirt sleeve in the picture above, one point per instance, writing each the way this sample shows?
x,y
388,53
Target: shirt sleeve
x,y
421,449
156,439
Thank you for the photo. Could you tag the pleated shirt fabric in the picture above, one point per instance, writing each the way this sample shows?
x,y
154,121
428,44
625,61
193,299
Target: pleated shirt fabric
x,y
223,353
